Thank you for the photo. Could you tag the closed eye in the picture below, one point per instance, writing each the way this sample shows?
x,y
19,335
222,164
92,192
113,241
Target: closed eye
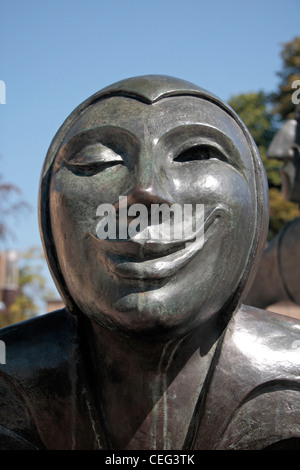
x,y
200,152
92,159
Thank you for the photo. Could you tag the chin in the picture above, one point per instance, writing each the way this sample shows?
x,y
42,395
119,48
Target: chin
x,y
136,315
155,315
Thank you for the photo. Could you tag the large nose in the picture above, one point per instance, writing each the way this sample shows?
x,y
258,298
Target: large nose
x,y
150,182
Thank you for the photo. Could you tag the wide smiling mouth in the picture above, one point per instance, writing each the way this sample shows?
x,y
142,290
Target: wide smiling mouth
x,y
130,259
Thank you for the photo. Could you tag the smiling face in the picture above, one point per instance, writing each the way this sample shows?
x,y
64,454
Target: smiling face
x,y
179,150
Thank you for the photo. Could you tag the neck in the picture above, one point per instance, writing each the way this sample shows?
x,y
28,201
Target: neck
x,y
148,390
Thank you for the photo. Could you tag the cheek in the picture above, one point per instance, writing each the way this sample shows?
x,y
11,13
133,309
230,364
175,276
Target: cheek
x,y
105,185
73,213
211,185
75,199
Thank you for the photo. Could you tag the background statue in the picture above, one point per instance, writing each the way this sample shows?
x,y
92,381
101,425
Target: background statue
x,y
278,278
154,349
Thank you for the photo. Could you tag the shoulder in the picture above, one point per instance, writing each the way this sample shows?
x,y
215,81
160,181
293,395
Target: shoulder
x,y
267,340
44,339
288,259
41,322
261,356
293,226
268,330
34,370
254,319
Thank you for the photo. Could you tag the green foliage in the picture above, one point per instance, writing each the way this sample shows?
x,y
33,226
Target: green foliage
x,y
11,204
22,309
282,98
32,288
253,110
272,168
281,212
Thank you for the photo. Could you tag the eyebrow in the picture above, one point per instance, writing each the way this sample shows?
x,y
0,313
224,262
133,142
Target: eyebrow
x,y
196,127
207,133
93,132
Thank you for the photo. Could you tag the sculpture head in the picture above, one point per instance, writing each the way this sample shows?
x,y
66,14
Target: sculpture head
x,y
154,140
285,146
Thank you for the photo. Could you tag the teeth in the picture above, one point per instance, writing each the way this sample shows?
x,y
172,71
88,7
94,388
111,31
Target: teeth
x,y
155,233
163,234
144,235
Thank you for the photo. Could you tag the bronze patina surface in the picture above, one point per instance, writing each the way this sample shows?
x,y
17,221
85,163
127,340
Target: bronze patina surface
x,y
155,349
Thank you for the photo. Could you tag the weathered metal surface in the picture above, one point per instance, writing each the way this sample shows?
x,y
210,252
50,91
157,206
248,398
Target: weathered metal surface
x,y
154,349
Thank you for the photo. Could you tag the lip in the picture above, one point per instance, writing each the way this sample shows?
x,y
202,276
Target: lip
x,y
153,260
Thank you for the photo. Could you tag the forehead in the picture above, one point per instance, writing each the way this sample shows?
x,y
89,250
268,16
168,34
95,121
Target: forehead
x,y
153,121
163,115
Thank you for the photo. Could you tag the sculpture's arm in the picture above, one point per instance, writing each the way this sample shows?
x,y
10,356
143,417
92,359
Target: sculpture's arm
x,y
9,440
268,287
17,427
279,272
289,260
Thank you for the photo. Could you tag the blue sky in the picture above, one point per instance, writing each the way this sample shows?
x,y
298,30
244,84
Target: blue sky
x,y
54,54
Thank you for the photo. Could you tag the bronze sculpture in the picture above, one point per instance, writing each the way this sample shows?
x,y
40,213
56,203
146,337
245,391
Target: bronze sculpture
x,y
154,349
279,272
